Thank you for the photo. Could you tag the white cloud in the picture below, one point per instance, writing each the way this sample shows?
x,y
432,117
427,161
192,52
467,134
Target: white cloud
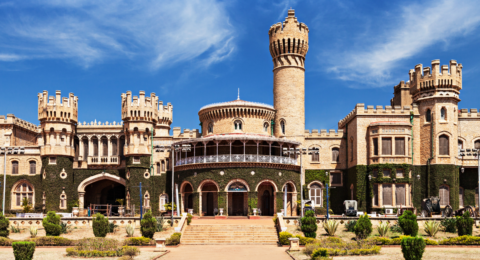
x,y
157,32
9,57
373,56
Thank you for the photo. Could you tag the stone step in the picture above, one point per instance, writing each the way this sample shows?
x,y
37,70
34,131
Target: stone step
x,y
230,235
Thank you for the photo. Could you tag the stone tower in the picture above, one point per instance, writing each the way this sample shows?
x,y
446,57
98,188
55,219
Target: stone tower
x,y
288,47
58,118
436,92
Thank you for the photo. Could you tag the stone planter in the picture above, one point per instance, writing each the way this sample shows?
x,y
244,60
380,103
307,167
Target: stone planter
x,y
190,211
221,211
75,211
121,211
160,245
254,211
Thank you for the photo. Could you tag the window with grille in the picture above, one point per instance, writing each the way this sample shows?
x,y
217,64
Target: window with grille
x,y
316,194
14,167
399,146
23,190
400,194
163,166
158,168
33,167
336,178
444,194
428,116
315,157
460,196
399,173
443,145
375,195
282,126
335,154
387,194
386,146
375,146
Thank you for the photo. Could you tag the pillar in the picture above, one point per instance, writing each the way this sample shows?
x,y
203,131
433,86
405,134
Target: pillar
x,y
81,200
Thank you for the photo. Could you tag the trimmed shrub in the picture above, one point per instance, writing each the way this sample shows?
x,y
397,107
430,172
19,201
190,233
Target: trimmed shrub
x,y
408,223
130,251
174,239
465,224
309,224
305,240
350,225
449,225
322,252
51,223
363,228
52,241
413,248
4,223
137,241
148,225
189,218
100,225
283,237
23,250
463,240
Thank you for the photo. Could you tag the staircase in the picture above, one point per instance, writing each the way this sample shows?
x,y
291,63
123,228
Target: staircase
x,y
229,235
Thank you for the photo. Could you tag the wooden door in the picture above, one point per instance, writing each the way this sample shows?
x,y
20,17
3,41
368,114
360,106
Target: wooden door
x,y
266,203
209,204
237,201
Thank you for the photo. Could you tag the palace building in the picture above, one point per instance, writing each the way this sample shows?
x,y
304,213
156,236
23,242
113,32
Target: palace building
x,y
249,155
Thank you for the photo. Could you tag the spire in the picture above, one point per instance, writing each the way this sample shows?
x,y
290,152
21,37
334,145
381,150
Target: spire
x,y
238,97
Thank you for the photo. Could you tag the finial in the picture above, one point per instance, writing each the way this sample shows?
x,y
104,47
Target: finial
x,y
238,97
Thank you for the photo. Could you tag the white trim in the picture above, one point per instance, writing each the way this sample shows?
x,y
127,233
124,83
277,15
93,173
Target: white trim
x,y
99,177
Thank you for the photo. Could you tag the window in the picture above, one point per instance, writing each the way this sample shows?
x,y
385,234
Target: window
x,y
315,156
146,201
399,173
443,114
265,127
428,116
163,201
387,194
460,196
104,146
351,150
168,164
375,195
477,144
375,173
136,159
158,168
95,146
114,146
23,190
163,166
52,160
85,149
316,194
335,154
443,145
33,167
444,194
375,146
400,194
336,178
460,146
386,173
14,167
210,128
282,127
238,125
399,146
386,146
63,200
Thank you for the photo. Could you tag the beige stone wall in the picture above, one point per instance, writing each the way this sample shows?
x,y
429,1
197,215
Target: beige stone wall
x,y
23,163
325,145
468,133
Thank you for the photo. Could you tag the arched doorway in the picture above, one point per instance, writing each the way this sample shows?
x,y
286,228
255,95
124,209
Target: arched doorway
x,y
101,189
237,196
187,197
266,198
266,191
291,198
208,198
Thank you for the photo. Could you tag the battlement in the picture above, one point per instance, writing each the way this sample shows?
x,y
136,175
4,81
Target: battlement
x,y
437,77
141,108
56,108
187,133
289,37
464,113
324,133
100,124
12,120
377,111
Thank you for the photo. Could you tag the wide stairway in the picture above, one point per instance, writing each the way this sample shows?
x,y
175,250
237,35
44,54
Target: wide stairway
x,y
229,235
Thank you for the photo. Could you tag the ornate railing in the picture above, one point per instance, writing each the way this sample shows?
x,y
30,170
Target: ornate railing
x,y
236,158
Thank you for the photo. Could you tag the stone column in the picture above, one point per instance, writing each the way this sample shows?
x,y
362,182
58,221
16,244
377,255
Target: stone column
x,y
244,144
81,200
270,151
194,159
204,154
80,147
258,143
217,150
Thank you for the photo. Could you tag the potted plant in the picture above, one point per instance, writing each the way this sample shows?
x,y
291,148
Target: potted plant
x,y
121,209
75,208
168,208
26,205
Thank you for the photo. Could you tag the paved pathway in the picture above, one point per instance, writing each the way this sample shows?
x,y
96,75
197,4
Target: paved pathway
x,y
221,252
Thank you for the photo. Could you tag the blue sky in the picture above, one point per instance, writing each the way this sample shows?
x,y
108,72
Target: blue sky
x,y
192,53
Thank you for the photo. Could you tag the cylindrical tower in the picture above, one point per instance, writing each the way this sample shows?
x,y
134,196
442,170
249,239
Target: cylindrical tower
x,y
288,47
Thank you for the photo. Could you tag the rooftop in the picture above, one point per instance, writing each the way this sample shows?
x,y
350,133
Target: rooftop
x,y
238,102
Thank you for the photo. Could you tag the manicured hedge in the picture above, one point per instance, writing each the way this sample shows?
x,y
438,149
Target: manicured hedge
x,y
138,241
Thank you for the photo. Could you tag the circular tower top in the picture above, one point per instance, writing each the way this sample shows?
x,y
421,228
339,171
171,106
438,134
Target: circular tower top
x,y
288,42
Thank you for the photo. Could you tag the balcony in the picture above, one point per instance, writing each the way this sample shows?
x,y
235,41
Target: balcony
x,y
103,160
236,158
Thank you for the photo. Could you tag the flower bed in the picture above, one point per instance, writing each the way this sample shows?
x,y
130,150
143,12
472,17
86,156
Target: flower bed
x,y
336,247
396,241
462,240
99,247
98,253
138,241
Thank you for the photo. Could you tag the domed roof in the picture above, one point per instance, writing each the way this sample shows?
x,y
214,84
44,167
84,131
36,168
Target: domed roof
x,y
237,103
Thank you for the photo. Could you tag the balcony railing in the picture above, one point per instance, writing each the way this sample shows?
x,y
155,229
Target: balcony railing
x,y
103,160
236,158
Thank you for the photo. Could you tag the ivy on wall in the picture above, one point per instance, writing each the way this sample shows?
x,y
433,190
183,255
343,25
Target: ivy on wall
x,y
337,195
469,182
12,180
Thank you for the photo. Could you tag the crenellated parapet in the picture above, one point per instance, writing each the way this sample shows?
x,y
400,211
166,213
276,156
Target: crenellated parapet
x,y
464,113
331,133
438,81
141,108
56,108
288,42
360,109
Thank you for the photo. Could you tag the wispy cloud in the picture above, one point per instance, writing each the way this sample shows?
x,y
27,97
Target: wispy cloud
x,y
373,54
154,32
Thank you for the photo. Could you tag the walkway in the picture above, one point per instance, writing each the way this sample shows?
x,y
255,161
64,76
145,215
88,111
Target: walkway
x,y
221,252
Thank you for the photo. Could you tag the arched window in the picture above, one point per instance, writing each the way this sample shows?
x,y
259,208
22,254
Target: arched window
x,y
146,200
460,196
95,146
460,146
63,200
444,194
210,128
238,125
33,167
443,113
265,127
14,167
163,166
85,148
477,144
443,145
335,154
104,146
316,194
158,168
114,146
428,116
21,191
315,155
163,201
282,127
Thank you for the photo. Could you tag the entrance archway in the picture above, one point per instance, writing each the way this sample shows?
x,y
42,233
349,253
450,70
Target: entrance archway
x,y
186,192
103,188
266,192
208,197
237,198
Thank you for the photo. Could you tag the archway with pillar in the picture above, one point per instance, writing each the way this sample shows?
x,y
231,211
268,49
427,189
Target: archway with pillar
x,y
186,192
290,196
103,188
237,197
208,197
266,192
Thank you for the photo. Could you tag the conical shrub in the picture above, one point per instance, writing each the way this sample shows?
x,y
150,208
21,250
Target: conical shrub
x,y
309,224
148,225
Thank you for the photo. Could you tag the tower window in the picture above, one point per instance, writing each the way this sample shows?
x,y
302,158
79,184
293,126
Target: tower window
x,y
443,113
210,128
443,145
238,125
265,127
282,127
33,167
14,167
428,116
335,154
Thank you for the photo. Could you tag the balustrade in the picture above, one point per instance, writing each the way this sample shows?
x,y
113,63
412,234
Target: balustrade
x,y
103,160
236,158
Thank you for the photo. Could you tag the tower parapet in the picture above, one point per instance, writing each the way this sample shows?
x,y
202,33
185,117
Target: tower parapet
x,y
57,108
